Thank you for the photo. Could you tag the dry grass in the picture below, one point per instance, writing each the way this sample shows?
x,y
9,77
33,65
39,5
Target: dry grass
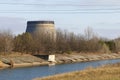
x,y
109,72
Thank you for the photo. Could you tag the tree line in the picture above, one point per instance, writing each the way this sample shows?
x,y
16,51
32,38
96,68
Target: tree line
x,y
65,42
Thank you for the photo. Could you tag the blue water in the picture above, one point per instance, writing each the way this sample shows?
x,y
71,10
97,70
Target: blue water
x,y
28,73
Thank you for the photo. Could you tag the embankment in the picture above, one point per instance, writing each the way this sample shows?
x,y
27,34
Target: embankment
x,y
31,60
82,57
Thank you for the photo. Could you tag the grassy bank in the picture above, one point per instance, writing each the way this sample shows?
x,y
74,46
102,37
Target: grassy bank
x,y
109,72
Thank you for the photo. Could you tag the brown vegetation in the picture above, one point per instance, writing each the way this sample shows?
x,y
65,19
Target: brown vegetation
x,y
6,42
109,72
65,42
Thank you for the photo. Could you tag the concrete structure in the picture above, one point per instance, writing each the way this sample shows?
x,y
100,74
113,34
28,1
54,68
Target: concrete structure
x,y
51,58
1,64
42,28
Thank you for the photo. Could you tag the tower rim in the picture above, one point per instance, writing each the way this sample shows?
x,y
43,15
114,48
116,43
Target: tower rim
x,y
40,22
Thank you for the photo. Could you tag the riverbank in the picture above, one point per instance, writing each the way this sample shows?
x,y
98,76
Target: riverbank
x,y
21,60
24,60
109,72
83,57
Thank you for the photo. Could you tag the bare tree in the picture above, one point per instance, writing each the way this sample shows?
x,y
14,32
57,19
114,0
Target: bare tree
x,y
6,41
117,45
89,34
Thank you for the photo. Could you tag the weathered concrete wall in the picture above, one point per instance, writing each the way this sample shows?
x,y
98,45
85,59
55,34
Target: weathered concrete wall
x,y
51,58
42,28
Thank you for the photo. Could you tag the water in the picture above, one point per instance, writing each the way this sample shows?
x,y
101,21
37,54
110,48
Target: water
x,y
28,73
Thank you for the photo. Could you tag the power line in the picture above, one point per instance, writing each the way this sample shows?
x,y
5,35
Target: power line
x,y
63,11
99,10
72,5
31,12
82,9
43,4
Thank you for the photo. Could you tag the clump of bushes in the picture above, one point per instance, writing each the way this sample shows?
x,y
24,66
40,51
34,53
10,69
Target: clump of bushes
x,y
65,42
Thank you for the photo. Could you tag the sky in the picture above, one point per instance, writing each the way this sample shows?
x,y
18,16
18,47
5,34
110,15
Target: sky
x,y
103,16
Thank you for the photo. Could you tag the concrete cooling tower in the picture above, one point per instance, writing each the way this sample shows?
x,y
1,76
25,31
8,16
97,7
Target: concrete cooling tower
x,y
41,27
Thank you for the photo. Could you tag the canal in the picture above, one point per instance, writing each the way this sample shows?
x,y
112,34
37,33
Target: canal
x,y
28,73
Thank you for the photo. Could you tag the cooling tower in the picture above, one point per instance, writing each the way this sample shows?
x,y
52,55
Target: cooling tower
x,y
41,27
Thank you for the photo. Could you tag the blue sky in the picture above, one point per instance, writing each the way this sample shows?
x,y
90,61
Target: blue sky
x,y
73,15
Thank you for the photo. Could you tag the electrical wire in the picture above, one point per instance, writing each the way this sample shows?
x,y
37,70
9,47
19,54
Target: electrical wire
x,y
103,9
43,4
31,12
